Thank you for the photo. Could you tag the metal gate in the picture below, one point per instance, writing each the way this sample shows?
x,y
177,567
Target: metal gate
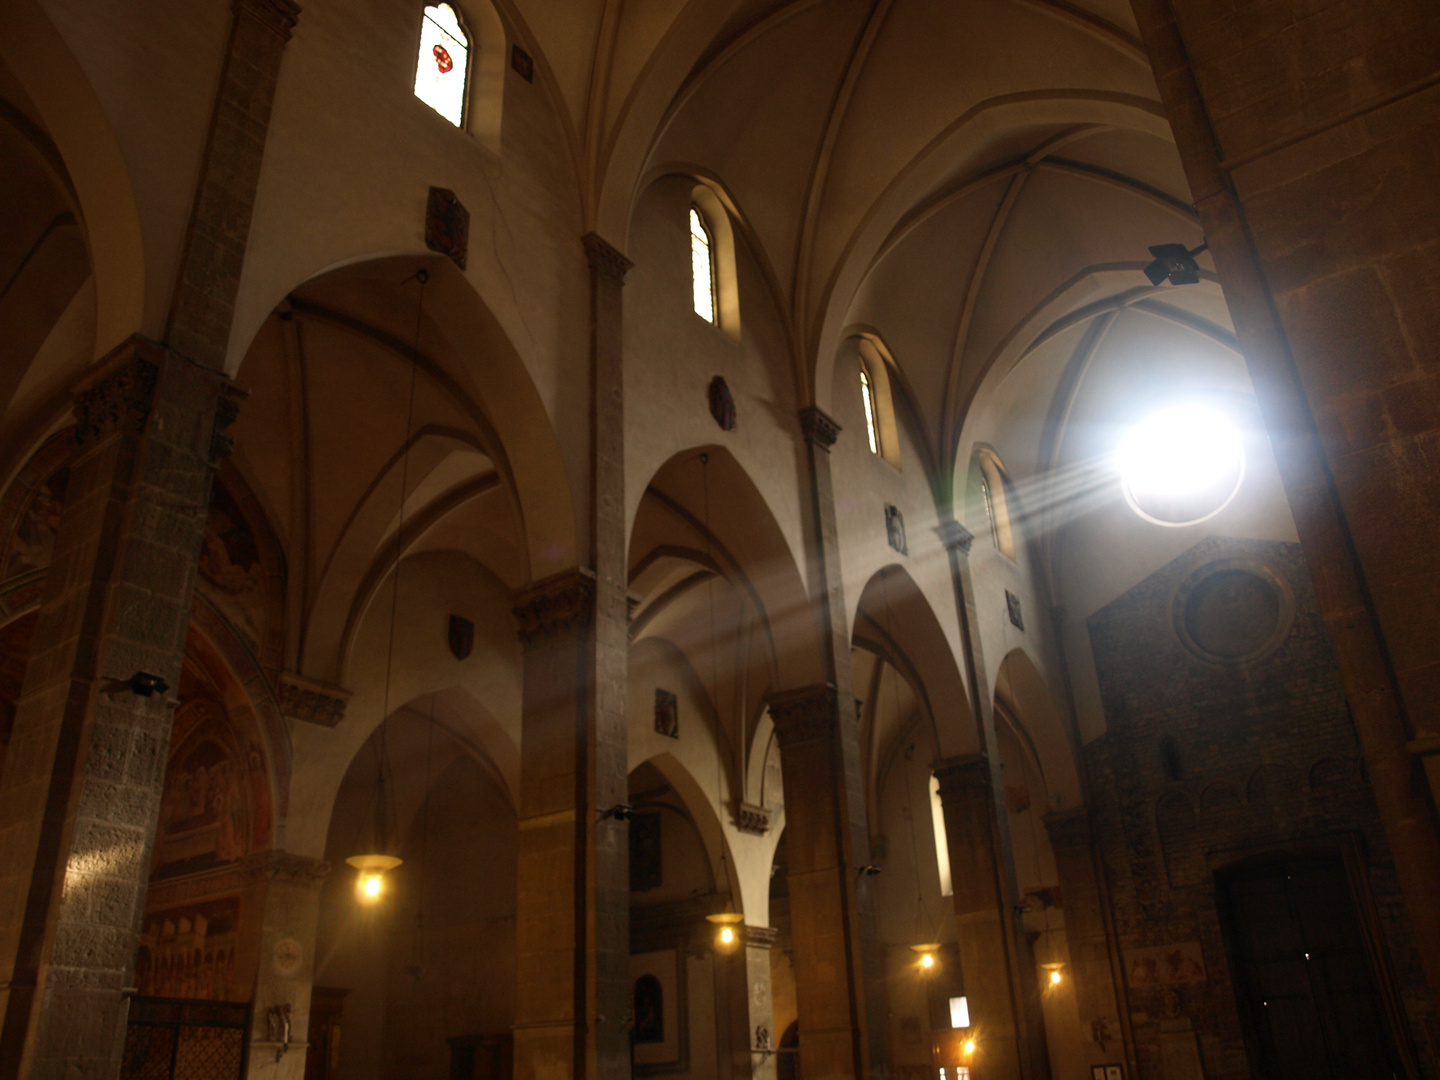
x,y
178,1039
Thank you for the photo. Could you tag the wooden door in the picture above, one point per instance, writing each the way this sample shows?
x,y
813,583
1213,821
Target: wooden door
x,y
1303,976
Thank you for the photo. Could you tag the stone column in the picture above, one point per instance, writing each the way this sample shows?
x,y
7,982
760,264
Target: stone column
x,y
80,792
284,890
828,850
1287,134
847,904
1093,956
750,1018
989,928
572,1011
208,279
1034,1053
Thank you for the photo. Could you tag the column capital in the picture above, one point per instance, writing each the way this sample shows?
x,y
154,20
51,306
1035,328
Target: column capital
x,y
559,604
312,701
279,16
277,865
752,819
605,259
1068,828
761,937
955,537
818,428
119,396
804,715
963,777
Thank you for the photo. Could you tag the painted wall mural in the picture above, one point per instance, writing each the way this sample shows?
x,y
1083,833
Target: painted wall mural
x,y
216,804
190,952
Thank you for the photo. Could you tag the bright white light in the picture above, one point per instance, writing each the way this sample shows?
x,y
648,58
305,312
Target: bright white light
x,y
372,886
1182,463
959,1012
702,267
444,57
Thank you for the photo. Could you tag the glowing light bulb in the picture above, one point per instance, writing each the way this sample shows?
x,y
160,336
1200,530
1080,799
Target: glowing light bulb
x,y
927,960
372,886
727,936
969,1046
1054,978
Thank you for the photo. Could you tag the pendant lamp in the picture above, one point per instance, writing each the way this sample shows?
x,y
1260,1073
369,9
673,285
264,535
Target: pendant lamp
x,y
373,864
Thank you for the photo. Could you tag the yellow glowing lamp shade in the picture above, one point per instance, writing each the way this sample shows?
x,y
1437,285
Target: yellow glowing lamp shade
x,y
374,864
372,873
726,921
927,954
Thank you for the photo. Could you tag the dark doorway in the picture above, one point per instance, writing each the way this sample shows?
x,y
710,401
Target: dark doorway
x,y
1304,979
787,1056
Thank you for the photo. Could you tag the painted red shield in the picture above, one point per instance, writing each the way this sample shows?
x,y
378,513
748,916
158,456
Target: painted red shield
x,y
442,59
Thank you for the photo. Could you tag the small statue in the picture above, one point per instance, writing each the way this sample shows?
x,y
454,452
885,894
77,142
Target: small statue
x,y
762,1037
277,1025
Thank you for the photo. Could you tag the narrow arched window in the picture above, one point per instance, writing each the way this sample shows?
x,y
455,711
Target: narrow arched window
x,y
702,266
995,489
872,421
443,63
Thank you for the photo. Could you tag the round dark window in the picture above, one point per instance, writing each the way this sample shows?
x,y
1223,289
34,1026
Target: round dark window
x,y
1232,614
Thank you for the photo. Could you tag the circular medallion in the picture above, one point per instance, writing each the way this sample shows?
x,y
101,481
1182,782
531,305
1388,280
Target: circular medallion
x,y
287,957
1233,611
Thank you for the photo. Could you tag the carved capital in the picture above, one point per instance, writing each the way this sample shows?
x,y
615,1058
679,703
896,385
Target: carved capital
x,y
963,779
561,604
752,819
818,428
311,701
120,395
604,259
955,536
277,16
805,715
761,937
1069,828
276,865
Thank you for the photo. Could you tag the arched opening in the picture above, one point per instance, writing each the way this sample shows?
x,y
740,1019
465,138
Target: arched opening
x,y
428,970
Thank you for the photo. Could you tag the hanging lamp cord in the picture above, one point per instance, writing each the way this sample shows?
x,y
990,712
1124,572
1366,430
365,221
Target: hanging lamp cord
x,y
382,749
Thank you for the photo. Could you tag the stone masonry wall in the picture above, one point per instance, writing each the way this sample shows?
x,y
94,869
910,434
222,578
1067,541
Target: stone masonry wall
x,y
1203,760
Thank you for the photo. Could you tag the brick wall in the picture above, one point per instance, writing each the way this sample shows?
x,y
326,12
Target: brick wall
x,y
1203,761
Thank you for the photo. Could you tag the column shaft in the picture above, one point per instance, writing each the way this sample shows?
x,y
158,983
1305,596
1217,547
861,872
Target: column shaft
x,y
988,959
80,793
751,1019
285,889
832,901
1034,1060
1092,951
572,1008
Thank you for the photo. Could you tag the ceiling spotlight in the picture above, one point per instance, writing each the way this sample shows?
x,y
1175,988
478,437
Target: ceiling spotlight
x,y
1176,263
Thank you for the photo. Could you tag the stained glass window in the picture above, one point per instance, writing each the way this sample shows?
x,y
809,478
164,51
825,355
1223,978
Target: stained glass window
x,y
442,64
702,267
867,391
